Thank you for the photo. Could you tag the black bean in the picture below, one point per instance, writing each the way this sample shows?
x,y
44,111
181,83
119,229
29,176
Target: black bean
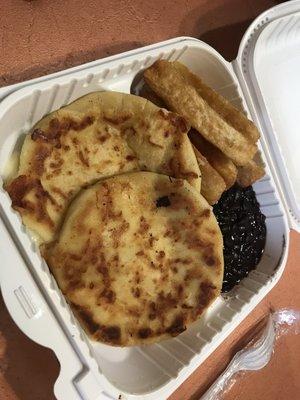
x,y
163,201
244,233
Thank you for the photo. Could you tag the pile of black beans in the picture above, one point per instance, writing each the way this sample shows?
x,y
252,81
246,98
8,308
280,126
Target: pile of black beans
x,y
244,233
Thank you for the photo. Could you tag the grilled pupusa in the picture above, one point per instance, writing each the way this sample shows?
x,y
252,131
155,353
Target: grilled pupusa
x,y
96,136
139,257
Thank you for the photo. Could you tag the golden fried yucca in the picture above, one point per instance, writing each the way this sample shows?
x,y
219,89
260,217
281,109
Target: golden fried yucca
x,y
171,82
212,183
234,117
218,160
250,173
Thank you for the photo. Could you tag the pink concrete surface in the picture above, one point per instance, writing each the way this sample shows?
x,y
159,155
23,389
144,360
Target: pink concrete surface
x,y
43,36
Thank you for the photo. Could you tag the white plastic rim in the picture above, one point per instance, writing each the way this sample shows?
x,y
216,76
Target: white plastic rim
x,y
150,372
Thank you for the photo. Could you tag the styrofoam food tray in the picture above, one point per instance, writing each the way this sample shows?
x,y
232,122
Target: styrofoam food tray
x,y
92,370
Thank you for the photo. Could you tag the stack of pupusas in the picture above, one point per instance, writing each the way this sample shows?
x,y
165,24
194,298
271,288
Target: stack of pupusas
x,y
111,186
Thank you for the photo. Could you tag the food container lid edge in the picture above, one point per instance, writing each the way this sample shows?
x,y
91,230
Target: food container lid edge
x,y
266,67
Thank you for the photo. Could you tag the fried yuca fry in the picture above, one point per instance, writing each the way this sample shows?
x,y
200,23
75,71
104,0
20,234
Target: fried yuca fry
x,y
148,94
212,184
181,97
222,106
219,161
250,173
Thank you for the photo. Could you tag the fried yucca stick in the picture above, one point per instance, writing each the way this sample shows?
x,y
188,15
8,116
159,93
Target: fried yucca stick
x,y
250,173
212,184
222,106
180,96
219,161
150,95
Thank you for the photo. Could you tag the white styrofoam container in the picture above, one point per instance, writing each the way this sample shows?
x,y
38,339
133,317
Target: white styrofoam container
x,y
92,370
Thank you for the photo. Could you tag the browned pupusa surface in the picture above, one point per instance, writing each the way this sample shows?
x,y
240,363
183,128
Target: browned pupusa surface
x,y
96,136
139,257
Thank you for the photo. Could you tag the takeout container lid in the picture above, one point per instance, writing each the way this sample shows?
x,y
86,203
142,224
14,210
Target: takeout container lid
x,y
268,69
255,76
